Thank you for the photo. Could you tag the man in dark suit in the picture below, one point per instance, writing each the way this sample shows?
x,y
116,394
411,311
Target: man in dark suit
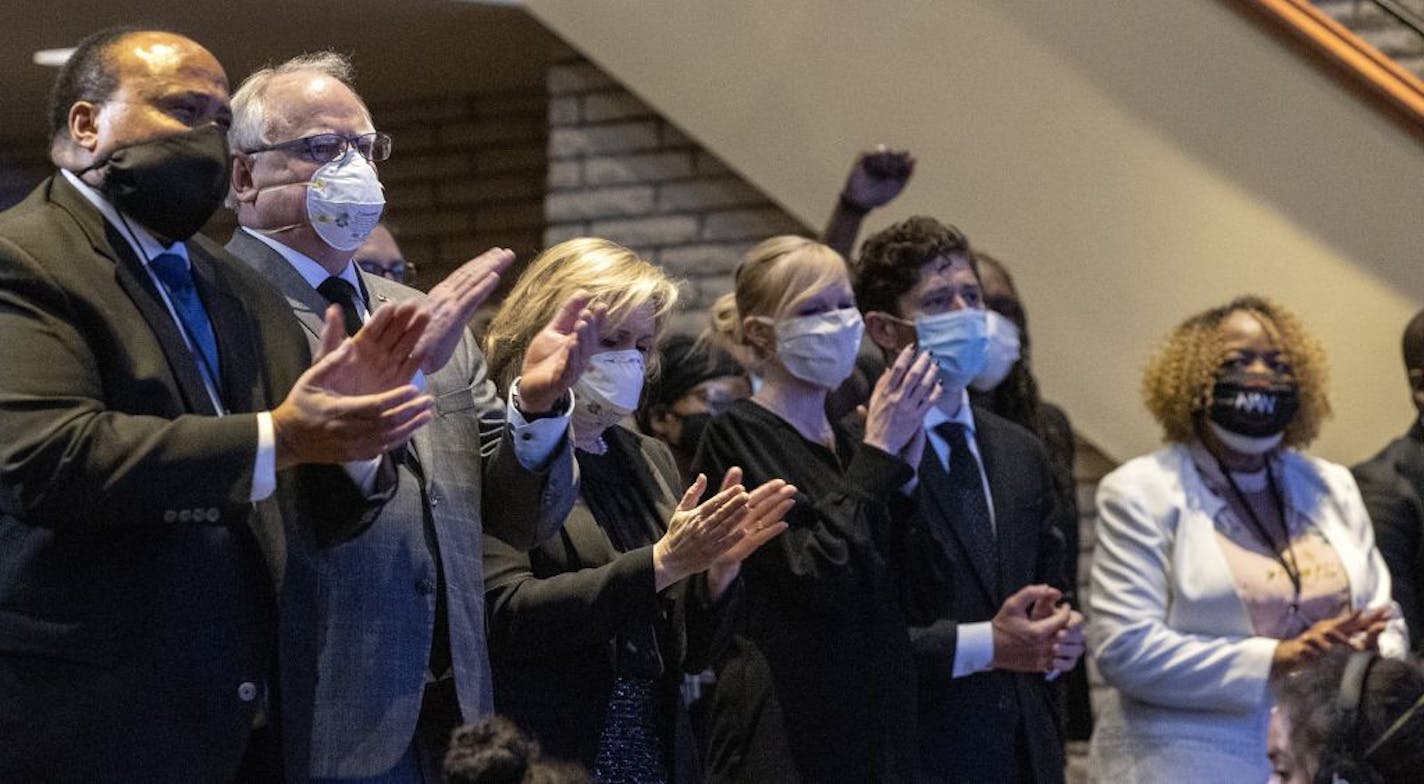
x,y
982,560
148,458
400,612
1392,483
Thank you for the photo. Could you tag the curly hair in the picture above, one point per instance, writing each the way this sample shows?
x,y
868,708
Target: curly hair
x,y
496,751
1177,384
891,260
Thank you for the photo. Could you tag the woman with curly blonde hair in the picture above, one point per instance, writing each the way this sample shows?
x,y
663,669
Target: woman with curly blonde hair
x,y
1229,557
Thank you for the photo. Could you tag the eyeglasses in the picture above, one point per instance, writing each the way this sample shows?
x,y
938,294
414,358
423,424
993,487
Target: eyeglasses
x,y
327,147
398,271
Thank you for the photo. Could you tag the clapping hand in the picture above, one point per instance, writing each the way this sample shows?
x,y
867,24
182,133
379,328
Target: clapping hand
x,y
557,356
764,520
453,302
721,530
355,402
1357,630
894,420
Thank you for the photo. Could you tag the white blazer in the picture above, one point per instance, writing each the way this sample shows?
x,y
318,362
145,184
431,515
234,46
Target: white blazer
x,y
1188,697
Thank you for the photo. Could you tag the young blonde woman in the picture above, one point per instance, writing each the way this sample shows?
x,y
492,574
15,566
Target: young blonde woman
x,y
819,684
591,632
1228,558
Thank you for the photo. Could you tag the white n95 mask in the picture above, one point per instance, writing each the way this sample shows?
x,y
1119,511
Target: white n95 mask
x,y
820,349
1004,350
607,392
345,201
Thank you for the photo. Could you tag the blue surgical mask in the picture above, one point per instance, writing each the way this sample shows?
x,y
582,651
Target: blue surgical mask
x,y
958,342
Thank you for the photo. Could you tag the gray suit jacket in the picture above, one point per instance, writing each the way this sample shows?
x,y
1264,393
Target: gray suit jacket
x,y
376,594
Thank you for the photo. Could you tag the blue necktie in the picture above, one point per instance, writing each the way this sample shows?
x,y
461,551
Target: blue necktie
x,y
173,271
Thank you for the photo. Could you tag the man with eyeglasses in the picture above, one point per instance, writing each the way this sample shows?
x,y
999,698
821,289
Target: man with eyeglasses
x,y
403,658
381,255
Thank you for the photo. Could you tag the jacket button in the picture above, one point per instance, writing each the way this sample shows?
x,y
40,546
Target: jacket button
x,y
1005,703
170,516
425,586
247,691
185,516
213,514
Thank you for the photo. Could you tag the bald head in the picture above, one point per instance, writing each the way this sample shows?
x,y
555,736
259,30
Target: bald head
x,y
126,86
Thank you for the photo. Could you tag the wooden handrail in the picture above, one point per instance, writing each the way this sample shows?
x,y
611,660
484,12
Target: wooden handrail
x,y
1367,68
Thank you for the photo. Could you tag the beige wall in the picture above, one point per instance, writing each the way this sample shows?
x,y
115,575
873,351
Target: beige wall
x,y
1133,162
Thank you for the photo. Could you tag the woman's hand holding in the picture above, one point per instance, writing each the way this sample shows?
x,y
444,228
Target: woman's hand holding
x,y
698,534
1357,630
894,420
764,519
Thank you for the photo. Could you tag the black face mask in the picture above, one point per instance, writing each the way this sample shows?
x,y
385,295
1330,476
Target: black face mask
x,y
170,185
1243,404
693,426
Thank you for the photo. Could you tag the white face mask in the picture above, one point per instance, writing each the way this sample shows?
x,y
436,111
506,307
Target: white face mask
x,y
1004,351
820,349
1245,445
345,200
607,392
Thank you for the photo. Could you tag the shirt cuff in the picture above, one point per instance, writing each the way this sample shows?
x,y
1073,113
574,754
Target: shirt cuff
x,y
535,441
264,468
973,648
363,473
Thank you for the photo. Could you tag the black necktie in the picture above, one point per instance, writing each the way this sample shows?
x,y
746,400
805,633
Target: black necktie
x,y
966,486
339,292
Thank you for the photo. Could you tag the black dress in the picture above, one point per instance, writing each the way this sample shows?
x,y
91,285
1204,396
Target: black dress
x,y
818,685
586,654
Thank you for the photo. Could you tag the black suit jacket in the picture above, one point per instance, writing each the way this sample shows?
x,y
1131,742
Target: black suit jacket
x,y
565,620
976,728
1392,483
137,620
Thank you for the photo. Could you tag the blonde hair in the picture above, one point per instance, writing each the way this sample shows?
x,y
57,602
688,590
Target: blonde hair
x,y
774,275
612,274
1177,383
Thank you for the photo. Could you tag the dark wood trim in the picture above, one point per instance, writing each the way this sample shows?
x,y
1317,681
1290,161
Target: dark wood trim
x,y
1365,69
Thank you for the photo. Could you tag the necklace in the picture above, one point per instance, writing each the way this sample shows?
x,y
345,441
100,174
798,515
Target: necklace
x,y
1283,553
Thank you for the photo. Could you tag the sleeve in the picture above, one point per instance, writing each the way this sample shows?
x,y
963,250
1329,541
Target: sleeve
x,y
1376,592
820,556
1135,650
707,625
523,506
67,460
551,616
1397,516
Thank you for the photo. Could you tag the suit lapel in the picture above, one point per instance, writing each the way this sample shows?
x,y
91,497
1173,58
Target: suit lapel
x,y
236,352
377,293
935,503
1015,538
307,305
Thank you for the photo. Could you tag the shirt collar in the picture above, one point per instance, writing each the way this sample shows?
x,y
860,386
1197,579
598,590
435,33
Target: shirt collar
x,y
964,416
309,268
140,240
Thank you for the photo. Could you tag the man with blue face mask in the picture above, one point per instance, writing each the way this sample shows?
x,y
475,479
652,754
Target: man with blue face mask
x,y
984,560
400,615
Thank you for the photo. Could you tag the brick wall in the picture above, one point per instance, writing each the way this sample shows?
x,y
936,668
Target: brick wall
x,y
467,173
619,171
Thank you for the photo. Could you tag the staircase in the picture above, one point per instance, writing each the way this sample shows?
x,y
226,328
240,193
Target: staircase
x,y
1369,20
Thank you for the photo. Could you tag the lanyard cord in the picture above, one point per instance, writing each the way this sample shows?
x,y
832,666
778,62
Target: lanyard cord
x,y
1279,552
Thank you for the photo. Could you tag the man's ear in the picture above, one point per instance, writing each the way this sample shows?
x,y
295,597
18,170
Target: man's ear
x,y
244,189
884,331
84,125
